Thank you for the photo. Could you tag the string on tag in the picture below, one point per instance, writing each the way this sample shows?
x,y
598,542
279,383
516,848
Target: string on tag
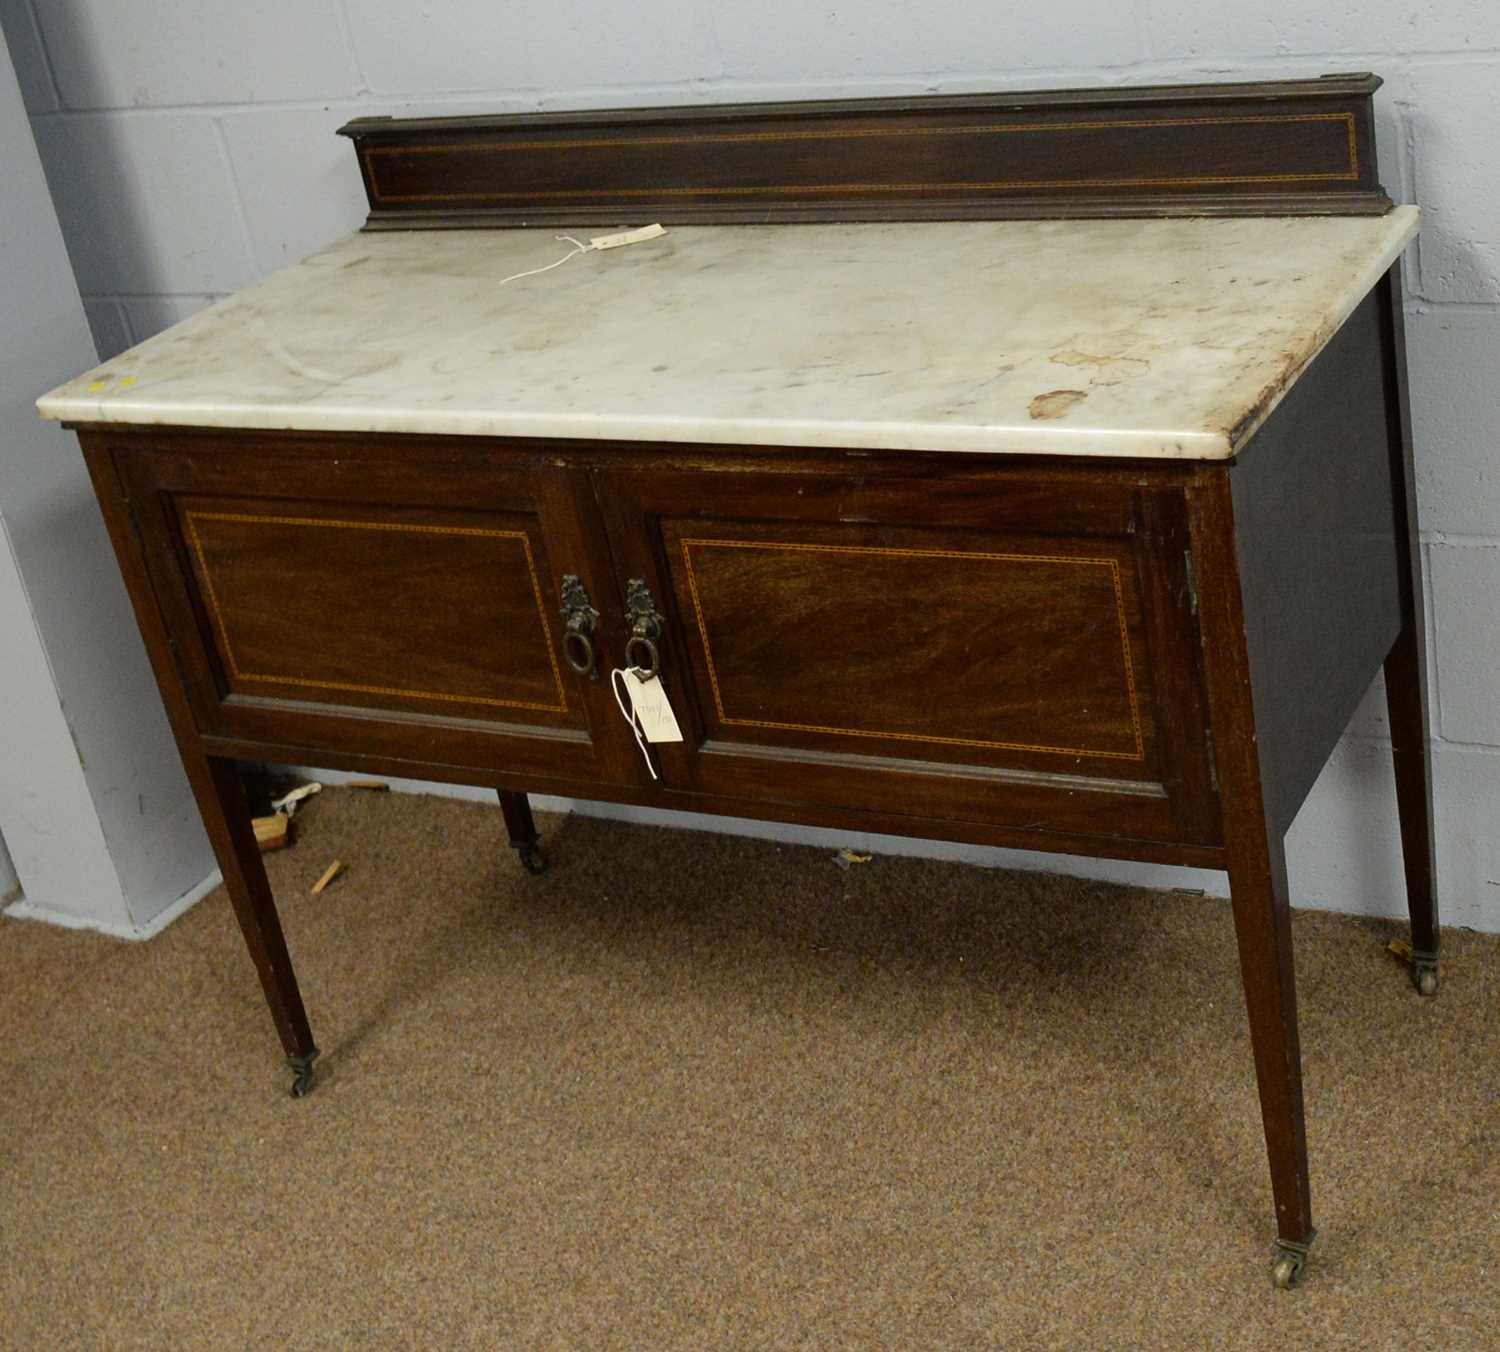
x,y
629,714
578,247
596,244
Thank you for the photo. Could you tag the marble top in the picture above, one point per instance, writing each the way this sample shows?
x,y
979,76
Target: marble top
x,y
1155,338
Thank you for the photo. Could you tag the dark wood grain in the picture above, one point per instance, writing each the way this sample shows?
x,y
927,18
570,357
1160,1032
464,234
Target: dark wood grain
x,y
342,598
963,648
359,606
1025,514
1288,147
900,640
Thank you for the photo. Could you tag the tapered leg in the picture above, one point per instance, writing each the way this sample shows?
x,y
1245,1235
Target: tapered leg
x,y
216,785
1256,861
226,814
1406,699
1262,925
523,836
1406,666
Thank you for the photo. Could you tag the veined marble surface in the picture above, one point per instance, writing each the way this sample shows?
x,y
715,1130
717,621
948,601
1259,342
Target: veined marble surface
x,y
1158,338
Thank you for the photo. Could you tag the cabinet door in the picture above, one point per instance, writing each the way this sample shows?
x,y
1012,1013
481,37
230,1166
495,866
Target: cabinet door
x,y
998,646
384,600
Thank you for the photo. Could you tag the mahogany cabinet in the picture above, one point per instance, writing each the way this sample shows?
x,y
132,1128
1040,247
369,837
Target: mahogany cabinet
x,y
1100,657
949,624
1014,648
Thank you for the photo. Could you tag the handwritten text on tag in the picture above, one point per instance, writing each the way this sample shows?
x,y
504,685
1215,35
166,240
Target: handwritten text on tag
x,y
652,708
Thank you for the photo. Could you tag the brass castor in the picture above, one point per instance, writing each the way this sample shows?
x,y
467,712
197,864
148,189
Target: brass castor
x,y
302,1073
1287,1263
1425,975
532,858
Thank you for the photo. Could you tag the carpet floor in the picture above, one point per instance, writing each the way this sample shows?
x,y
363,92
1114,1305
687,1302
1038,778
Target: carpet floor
x,y
694,1091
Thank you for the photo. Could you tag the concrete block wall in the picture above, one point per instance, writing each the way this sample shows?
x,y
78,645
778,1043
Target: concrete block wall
x,y
190,149
98,817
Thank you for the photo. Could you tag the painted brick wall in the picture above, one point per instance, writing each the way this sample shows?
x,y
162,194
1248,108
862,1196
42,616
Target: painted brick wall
x,y
190,149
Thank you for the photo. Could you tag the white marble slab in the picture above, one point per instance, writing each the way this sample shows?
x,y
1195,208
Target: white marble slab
x,y
1159,338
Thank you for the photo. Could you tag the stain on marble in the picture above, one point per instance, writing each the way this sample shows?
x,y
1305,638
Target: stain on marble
x,y
1056,403
1107,370
1073,357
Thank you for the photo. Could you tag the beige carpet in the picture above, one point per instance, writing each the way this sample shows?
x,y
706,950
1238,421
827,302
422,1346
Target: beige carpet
x,y
686,1091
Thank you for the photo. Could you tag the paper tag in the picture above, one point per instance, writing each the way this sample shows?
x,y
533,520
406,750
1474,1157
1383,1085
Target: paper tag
x,y
627,237
652,708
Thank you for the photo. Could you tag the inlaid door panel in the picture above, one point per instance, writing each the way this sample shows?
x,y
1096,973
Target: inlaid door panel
x,y
406,607
927,638
953,649
360,607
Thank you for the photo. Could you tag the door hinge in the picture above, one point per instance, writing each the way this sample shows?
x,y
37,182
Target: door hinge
x,y
1213,759
1192,581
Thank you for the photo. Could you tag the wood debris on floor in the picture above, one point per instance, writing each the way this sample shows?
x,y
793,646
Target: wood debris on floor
x,y
329,874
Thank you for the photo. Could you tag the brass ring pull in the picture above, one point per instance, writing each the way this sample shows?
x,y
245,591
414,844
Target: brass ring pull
x,y
645,627
652,666
580,617
578,649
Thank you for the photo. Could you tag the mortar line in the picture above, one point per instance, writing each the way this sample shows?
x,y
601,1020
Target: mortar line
x,y
239,198
346,26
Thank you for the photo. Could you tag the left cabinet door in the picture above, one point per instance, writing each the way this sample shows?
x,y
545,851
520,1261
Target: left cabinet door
x,y
379,597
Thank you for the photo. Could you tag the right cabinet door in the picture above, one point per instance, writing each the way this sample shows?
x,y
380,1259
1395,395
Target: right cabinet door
x,y
965,644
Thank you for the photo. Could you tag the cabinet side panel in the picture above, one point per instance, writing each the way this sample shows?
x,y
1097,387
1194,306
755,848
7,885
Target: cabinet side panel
x,y
1315,532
